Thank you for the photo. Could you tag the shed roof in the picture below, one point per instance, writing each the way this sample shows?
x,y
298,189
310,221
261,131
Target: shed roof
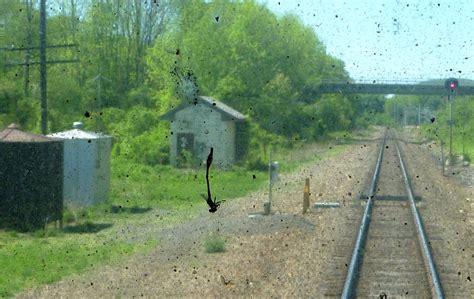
x,y
13,134
227,112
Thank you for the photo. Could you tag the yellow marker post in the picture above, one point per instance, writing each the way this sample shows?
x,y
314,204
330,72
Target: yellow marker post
x,y
306,196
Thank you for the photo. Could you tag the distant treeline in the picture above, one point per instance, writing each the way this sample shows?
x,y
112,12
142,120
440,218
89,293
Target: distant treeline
x,y
138,59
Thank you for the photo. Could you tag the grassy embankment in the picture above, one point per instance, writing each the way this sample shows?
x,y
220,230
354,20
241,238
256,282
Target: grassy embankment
x,y
462,129
462,145
467,152
31,259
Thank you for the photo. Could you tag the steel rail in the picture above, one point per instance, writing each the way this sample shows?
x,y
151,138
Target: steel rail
x,y
434,281
358,251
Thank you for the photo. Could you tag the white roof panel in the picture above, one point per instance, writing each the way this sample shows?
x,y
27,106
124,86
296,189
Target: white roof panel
x,y
78,134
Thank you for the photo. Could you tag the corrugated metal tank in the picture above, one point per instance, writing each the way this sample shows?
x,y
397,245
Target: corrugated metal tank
x,y
31,170
86,166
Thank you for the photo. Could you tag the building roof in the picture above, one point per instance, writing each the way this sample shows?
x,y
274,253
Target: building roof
x,y
13,134
77,133
227,112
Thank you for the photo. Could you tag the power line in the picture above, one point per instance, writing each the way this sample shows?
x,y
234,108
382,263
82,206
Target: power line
x,y
39,62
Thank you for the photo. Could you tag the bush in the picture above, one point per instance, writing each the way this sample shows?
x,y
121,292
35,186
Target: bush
x,y
257,164
467,157
147,147
13,234
186,159
69,216
261,143
214,244
75,215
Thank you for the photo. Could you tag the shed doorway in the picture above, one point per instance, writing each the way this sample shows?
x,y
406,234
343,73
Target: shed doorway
x,y
185,149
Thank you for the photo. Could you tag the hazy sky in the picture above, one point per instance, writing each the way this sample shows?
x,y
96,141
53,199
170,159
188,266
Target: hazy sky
x,y
392,39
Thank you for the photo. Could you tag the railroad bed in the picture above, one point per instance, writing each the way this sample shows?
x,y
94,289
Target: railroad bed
x,y
391,256
392,263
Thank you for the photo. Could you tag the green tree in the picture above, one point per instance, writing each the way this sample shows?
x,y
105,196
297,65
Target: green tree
x,y
246,56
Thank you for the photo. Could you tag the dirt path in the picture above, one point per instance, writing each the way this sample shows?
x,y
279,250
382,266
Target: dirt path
x,y
284,255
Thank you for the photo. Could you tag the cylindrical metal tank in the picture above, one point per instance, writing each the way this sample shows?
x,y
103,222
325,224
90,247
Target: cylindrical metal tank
x,y
86,166
31,168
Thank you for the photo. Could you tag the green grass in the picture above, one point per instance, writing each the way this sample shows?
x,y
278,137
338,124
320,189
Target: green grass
x,y
292,159
468,148
214,244
175,190
31,259
45,256
428,132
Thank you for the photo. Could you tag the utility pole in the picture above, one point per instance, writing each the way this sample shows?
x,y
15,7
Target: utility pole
x,y
42,59
2,34
270,183
462,140
99,79
404,116
43,73
29,16
419,114
450,101
451,85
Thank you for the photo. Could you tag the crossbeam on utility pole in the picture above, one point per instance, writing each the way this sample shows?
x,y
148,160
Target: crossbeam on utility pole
x,y
39,62
37,48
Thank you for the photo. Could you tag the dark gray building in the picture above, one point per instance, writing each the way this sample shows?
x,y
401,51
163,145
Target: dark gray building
x,y
31,174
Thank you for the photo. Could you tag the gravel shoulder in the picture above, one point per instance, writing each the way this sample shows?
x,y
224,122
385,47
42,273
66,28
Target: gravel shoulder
x,y
447,209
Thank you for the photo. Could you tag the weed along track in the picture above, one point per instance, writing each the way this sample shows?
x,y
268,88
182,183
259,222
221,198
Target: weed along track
x,y
391,255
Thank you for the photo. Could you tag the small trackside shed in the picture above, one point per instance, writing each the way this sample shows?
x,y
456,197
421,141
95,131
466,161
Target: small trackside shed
x,y
86,166
202,123
31,169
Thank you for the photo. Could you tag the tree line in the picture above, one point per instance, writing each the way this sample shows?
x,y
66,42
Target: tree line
x,y
138,59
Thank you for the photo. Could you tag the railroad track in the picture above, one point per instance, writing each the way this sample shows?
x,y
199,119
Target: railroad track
x,y
391,256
